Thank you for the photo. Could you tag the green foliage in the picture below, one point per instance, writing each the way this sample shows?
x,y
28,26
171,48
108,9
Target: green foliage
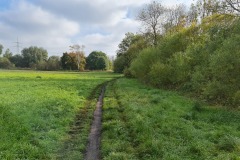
x,y
203,59
8,54
1,49
73,61
119,64
33,55
17,60
97,60
129,49
5,63
141,65
53,63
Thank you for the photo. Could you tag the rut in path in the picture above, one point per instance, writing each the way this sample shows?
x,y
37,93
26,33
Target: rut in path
x,y
93,148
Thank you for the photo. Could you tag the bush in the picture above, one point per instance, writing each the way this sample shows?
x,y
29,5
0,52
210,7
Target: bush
x,y
119,64
5,63
141,66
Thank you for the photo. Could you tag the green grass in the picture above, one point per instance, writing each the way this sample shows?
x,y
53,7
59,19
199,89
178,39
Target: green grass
x,y
37,108
140,122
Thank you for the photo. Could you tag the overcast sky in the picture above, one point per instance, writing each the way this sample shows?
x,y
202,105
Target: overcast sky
x,y
57,24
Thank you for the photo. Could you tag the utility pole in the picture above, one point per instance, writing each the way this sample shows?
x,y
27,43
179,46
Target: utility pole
x,y
17,45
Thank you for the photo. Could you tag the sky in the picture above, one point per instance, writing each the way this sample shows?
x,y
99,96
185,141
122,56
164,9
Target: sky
x,y
99,25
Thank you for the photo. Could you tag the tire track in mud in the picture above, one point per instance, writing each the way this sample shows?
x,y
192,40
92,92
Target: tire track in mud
x,y
94,139
74,146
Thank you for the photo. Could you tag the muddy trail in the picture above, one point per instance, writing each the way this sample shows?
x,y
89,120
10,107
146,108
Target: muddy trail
x,y
88,119
93,148
84,135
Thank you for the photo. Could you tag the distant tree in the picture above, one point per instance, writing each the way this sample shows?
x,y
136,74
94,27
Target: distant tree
x,y
66,61
53,63
1,49
8,54
151,19
69,61
33,55
97,60
5,63
78,50
17,60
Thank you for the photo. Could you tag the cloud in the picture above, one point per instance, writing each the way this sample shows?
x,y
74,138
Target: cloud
x,y
57,24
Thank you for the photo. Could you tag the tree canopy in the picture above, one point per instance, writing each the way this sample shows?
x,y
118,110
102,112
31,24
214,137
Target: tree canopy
x,y
97,60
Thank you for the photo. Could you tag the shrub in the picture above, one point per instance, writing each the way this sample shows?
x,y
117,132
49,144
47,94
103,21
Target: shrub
x,y
5,63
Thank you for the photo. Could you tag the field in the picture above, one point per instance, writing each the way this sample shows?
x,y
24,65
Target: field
x,y
140,122
37,108
47,115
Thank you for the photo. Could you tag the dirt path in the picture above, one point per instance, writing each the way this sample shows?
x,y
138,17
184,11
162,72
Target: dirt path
x,y
93,148
73,146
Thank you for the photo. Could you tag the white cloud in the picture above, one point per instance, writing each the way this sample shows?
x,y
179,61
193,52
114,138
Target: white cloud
x,y
35,26
56,24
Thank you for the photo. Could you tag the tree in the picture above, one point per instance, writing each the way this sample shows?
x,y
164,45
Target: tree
x,y
69,61
17,60
1,49
234,4
53,63
78,50
8,54
33,55
66,61
129,48
5,63
97,60
175,18
125,44
151,18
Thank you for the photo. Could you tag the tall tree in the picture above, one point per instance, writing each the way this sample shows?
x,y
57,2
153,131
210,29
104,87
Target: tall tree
x,y
78,50
53,63
8,54
1,49
234,4
175,18
66,61
17,60
151,18
97,60
128,50
33,55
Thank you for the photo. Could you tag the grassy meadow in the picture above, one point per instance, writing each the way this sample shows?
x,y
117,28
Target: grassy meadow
x,y
37,111
140,122
37,108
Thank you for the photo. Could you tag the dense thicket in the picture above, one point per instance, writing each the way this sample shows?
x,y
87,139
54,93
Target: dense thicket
x,y
203,59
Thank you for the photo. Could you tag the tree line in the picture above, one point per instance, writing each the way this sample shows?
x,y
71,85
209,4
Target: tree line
x,y
195,51
37,58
